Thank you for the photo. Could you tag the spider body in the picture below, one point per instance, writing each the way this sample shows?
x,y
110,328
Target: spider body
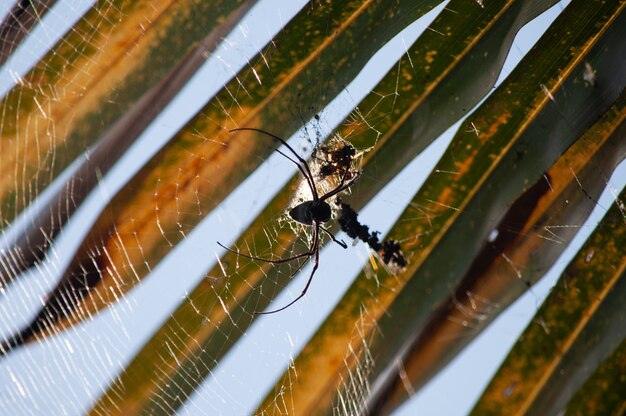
x,y
309,212
313,213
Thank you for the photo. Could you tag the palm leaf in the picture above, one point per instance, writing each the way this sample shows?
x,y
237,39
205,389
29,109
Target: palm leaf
x,y
583,317
529,241
515,166
227,303
603,391
522,132
89,95
143,222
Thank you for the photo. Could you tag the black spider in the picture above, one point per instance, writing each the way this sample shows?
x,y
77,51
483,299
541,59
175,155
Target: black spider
x,y
314,213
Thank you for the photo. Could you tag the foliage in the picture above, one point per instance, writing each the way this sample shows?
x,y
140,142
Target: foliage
x,y
534,153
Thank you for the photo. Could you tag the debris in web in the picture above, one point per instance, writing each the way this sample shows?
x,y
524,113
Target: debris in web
x,y
338,160
389,250
335,161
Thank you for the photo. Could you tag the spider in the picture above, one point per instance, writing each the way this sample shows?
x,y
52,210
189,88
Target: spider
x,y
313,213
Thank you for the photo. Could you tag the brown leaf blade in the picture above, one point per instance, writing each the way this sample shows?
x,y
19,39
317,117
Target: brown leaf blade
x,y
17,24
583,323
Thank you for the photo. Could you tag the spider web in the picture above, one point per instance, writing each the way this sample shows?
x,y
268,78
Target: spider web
x,y
65,373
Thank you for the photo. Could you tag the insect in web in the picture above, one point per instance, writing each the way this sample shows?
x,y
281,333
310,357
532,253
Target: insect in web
x,y
313,213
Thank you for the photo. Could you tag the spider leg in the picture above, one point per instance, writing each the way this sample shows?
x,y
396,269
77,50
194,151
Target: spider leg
x,y
304,170
314,248
340,188
340,242
279,261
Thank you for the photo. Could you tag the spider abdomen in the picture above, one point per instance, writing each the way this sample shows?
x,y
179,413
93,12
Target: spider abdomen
x,y
309,211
